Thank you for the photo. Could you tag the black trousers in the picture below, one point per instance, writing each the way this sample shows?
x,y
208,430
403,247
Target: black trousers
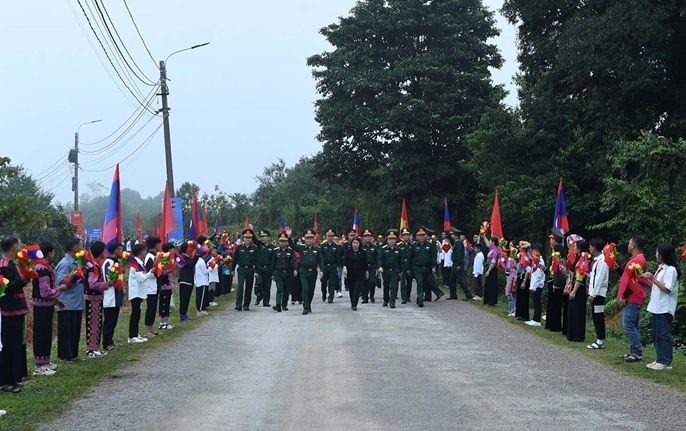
x,y
13,354
329,282
522,302
553,321
296,289
211,292
165,302
42,334
599,317
355,284
68,333
185,292
135,317
536,298
111,317
202,299
151,309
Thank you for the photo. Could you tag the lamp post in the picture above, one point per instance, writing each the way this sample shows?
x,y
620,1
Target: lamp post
x,y
74,158
164,92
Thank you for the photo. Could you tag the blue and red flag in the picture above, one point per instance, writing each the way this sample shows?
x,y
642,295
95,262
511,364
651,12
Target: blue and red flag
x,y
447,226
216,227
356,223
194,228
560,221
203,221
282,224
111,230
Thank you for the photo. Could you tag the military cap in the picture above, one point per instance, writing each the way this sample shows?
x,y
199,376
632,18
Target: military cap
x,y
265,232
248,233
555,233
283,236
405,231
456,231
330,231
310,233
392,233
421,231
367,232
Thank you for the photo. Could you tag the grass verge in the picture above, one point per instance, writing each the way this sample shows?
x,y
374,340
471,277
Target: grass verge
x,y
616,345
43,398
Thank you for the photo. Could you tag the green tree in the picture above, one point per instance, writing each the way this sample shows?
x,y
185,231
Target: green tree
x,y
406,82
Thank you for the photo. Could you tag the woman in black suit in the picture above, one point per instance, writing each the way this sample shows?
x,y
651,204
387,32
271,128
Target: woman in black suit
x,y
355,270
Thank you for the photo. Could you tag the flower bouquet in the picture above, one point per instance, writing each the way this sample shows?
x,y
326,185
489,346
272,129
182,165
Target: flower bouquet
x,y
116,274
74,277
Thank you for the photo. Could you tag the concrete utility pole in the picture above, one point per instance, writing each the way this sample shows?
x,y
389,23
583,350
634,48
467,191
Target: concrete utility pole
x,y
74,158
164,92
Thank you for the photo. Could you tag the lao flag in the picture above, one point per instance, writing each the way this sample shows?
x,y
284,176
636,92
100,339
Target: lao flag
x,y
112,231
179,259
356,223
282,224
560,221
447,226
34,252
194,228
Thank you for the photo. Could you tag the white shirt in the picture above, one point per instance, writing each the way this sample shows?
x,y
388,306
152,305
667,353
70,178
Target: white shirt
x,y
598,280
150,284
661,302
447,258
108,299
137,281
201,276
213,274
478,264
538,276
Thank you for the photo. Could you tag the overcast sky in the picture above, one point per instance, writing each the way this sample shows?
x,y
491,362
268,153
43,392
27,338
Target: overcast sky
x,y
237,105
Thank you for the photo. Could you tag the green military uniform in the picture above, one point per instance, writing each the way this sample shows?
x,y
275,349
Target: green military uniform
x,y
264,271
244,262
390,262
283,265
310,260
423,264
372,252
329,267
405,268
459,271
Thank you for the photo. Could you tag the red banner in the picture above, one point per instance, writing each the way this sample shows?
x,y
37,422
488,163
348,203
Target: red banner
x,y
76,219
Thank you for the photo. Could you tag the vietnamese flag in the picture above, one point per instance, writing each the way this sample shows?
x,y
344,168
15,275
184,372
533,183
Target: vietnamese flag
x,y
404,219
496,223
167,224
316,227
246,223
139,228
203,221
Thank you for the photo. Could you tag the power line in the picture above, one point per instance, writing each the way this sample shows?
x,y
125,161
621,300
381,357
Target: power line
x,y
116,149
54,171
139,34
100,11
130,154
49,167
108,56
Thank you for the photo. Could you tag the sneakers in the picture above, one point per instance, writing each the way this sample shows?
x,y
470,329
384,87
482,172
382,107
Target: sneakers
x,y
183,317
95,354
138,339
544,317
476,298
596,346
510,314
533,323
658,366
166,326
339,294
110,347
213,304
43,371
51,365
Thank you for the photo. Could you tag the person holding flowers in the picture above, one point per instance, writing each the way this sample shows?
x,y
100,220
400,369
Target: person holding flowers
x,y
165,266
94,286
154,246
632,294
113,298
138,277
71,312
13,310
597,291
45,291
576,326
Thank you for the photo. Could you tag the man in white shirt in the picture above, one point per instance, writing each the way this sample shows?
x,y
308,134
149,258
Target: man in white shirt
x,y
537,281
478,271
597,290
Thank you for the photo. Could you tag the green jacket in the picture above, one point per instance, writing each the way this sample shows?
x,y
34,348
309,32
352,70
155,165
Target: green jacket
x,y
310,257
330,254
390,258
458,255
423,255
284,259
245,255
265,256
405,255
372,251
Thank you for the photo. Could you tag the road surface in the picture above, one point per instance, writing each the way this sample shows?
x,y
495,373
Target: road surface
x,y
446,366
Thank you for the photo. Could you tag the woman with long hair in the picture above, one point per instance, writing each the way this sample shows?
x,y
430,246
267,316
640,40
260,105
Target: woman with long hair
x,y
355,270
576,325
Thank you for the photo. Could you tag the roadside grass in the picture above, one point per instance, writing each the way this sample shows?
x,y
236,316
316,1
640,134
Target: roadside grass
x,y
43,398
616,344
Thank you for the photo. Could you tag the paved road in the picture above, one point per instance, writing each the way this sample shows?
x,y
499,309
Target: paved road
x,y
447,366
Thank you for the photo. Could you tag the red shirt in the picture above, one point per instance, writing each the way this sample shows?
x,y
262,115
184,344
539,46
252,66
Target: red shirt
x,y
633,295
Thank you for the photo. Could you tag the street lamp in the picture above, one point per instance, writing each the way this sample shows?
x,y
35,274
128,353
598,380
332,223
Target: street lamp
x,y
74,158
165,116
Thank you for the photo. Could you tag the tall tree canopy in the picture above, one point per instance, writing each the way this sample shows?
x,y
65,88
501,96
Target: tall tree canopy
x,y
406,82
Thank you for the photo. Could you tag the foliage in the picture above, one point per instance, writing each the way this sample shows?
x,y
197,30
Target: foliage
x,y
27,212
404,85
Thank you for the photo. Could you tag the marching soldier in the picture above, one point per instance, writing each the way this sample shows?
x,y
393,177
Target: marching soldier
x,y
423,257
264,269
372,257
389,266
330,258
284,266
405,265
244,262
310,260
352,233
